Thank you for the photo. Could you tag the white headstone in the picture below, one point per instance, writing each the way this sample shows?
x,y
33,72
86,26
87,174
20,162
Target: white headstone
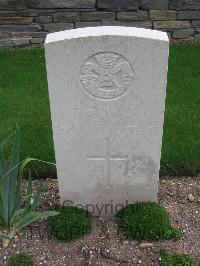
x,y
107,90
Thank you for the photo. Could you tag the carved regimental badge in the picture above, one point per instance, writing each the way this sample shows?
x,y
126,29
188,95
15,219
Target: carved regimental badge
x,y
106,75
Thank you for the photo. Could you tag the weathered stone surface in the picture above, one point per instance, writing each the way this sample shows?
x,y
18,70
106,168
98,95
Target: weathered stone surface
x,y
37,12
184,40
118,4
52,27
145,245
111,23
182,33
5,43
98,15
15,20
21,42
37,40
4,35
188,15
197,30
76,10
9,42
67,17
162,15
154,4
184,4
195,22
12,4
131,16
197,37
34,34
110,12
61,3
171,24
8,13
107,94
191,197
140,24
43,19
87,24
19,28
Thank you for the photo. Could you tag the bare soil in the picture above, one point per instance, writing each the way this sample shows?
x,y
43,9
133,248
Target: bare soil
x,y
106,245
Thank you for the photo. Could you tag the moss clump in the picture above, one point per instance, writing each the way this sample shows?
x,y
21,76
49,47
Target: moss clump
x,y
22,259
71,223
146,221
168,259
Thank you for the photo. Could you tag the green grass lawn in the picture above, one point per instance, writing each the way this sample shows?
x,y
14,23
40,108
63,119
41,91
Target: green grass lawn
x,y
24,101
181,140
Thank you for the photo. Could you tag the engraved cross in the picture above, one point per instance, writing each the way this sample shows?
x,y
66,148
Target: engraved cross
x,y
107,158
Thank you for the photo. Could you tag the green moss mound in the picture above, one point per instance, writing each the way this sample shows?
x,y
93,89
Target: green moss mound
x,y
22,259
146,221
71,223
168,259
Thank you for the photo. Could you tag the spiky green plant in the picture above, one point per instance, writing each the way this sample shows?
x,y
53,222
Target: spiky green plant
x,y
15,212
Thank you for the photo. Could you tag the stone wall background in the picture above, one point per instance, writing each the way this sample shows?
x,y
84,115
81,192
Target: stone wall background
x,y
26,22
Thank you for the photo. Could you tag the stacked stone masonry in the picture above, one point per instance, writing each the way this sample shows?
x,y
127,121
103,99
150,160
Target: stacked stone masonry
x,y
26,22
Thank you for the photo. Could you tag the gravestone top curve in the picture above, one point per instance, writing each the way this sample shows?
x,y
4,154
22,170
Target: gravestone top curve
x,y
106,30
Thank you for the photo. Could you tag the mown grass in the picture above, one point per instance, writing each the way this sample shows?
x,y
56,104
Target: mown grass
x,y
181,139
24,101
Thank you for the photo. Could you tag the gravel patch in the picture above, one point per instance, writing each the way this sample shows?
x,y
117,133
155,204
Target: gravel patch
x,y
106,245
